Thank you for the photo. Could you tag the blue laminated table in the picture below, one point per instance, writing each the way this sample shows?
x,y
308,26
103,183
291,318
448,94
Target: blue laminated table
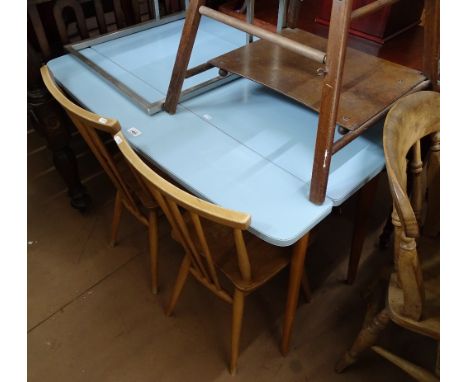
x,y
241,145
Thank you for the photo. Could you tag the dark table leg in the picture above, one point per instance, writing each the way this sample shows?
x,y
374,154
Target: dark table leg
x,y
295,277
48,118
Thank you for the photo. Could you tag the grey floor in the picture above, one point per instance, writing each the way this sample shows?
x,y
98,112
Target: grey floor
x,y
92,317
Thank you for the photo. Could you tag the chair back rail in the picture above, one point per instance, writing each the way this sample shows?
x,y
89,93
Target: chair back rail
x,y
63,12
187,214
88,124
412,118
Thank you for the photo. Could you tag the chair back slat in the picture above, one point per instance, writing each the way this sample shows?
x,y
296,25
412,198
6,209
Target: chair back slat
x,y
205,248
39,30
106,160
75,6
416,168
187,238
88,124
243,258
432,220
100,16
119,14
136,11
411,119
190,226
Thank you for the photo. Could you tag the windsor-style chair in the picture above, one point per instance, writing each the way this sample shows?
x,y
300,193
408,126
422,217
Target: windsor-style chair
x,y
413,293
217,246
131,191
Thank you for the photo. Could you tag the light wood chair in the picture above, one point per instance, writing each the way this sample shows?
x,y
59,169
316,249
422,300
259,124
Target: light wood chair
x,y
217,246
131,191
413,292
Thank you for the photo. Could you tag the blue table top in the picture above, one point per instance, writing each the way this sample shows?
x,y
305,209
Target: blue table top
x,y
241,146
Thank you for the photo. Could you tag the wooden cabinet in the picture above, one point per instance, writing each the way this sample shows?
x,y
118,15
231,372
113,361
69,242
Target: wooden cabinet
x,y
383,24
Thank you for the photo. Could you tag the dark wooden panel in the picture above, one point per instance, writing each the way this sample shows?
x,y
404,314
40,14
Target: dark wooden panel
x,y
369,83
383,24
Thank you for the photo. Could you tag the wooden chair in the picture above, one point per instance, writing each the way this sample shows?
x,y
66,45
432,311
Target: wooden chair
x,y
413,292
217,246
131,192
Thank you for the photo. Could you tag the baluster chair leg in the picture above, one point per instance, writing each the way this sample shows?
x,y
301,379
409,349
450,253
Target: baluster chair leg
x,y
153,249
237,315
366,338
116,218
179,284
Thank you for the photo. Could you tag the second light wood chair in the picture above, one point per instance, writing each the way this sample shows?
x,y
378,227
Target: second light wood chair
x,y
131,191
217,246
413,292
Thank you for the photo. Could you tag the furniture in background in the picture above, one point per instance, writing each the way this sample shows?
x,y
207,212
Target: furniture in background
x,y
216,244
413,291
386,23
311,71
405,49
131,191
51,24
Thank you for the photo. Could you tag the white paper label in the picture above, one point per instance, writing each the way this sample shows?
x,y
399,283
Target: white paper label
x,y
117,139
134,131
102,120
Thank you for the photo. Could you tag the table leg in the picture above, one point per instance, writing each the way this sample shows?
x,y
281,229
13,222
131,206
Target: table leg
x,y
362,214
295,277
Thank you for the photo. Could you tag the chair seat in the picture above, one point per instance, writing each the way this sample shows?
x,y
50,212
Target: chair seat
x,y
429,325
266,260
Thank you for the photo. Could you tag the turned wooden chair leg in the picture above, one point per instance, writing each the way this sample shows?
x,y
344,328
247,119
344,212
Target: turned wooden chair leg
x,y
153,249
116,218
179,284
364,204
366,338
237,315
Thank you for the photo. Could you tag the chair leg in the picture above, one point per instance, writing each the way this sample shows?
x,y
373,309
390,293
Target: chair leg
x,y
153,249
116,218
179,284
366,338
237,315
364,204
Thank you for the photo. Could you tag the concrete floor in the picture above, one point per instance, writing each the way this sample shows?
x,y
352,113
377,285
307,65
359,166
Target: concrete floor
x,y
92,317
